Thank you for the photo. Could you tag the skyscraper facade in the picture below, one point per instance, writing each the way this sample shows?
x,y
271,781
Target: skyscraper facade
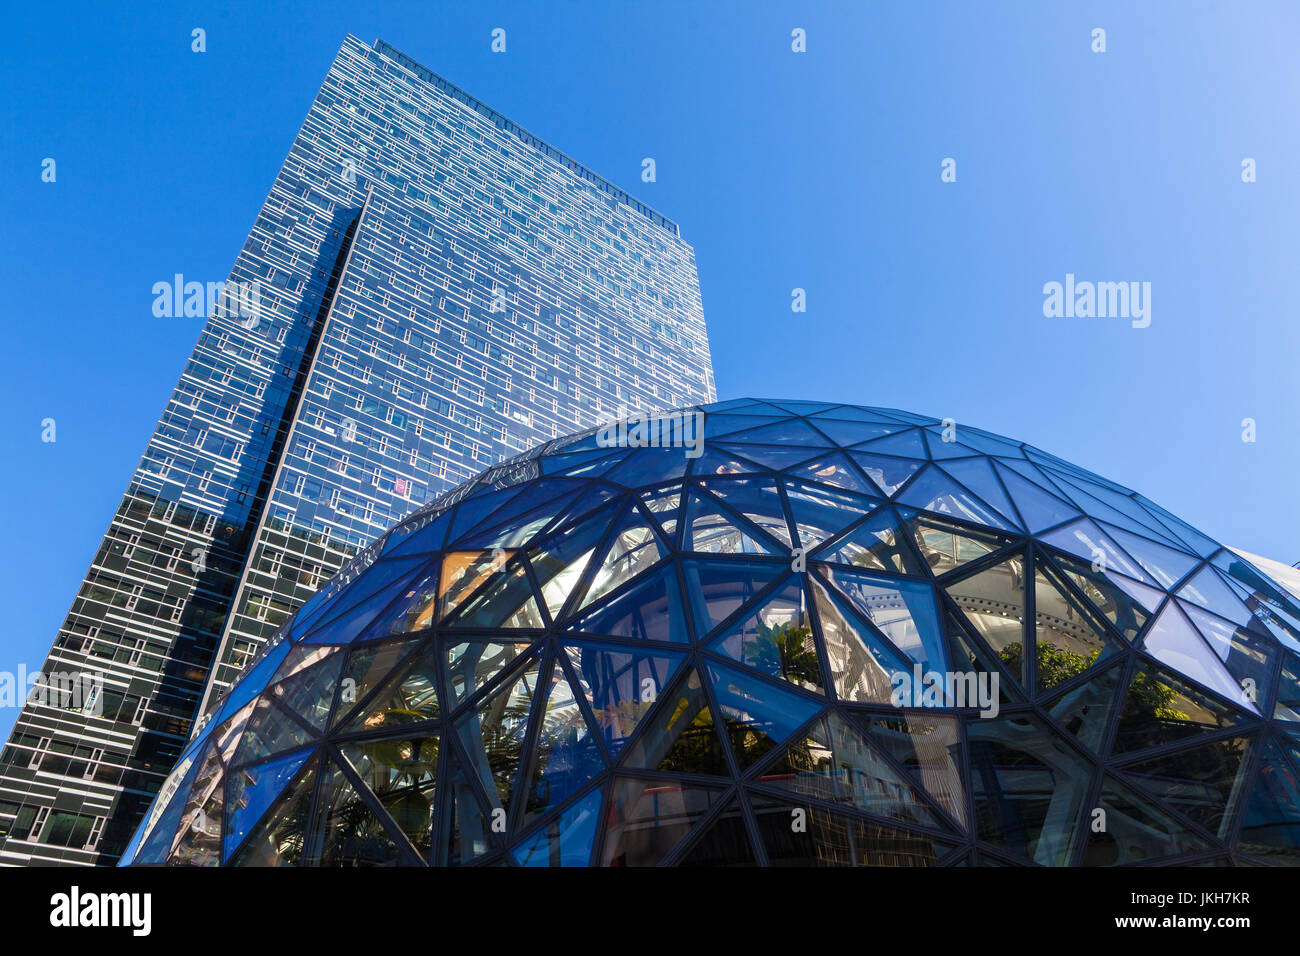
x,y
428,290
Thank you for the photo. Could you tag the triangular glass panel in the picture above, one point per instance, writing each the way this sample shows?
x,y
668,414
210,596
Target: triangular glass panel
x,y
577,463
934,491
941,450
410,696
792,432
1085,540
565,840
976,475
421,534
414,606
718,588
507,601
946,546
710,530
821,513
270,731
1271,827
713,463
1085,709
310,692
374,590
1030,788
635,548
845,433
775,457
472,664
757,716
889,474
648,818
903,610
401,773
1136,830
681,736
928,748
651,609
1199,782
1161,709
875,544
251,790
493,736
1175,643
280,834
366,669
835,470
1166,565
908,444
801,406
1038,508
565,755
993,602
1068,638
253,680
1208,590
559,561
350,832
758,501
1116,604
776,638
648,466
664,508
719,424
621,685
724,841
1247,656
862,666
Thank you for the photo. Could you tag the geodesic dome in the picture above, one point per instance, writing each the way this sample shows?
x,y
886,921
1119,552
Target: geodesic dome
x,y
629,656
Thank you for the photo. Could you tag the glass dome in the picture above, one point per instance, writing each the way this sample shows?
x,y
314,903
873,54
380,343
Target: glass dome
x,y
823,635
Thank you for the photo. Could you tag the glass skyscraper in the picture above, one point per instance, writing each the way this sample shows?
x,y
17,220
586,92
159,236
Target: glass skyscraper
x,y
429,289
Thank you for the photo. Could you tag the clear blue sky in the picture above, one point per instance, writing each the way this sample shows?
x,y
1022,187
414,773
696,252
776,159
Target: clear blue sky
x,y
819,171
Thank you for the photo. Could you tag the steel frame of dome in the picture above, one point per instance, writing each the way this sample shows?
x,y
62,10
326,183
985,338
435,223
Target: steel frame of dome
x,y
627,656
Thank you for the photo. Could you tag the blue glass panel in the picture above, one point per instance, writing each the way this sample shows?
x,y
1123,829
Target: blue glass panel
x,y
977,476
650,610
251,791
566,840
252,682
888,473
1038,509
771,456
932,490
792,432
845,434
904,611
1166,565
719,587
1174,642
835,470
767,714
621,685
907,444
